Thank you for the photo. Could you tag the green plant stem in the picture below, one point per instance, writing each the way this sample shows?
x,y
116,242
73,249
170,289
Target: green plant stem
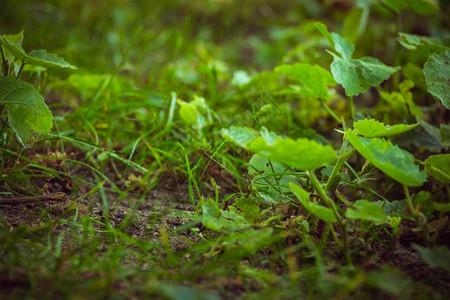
x,y
330,203
411,208
351,108
334,177
330,111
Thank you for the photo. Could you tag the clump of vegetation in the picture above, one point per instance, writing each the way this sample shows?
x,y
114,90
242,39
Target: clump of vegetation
x,y
223,150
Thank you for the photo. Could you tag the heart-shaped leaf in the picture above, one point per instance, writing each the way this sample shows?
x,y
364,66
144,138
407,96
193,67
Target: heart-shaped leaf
x,y
358,75
395,162
28,115
372,128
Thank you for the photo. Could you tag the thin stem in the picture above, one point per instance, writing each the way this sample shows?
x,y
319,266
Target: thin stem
x,y
351,108
330,111
328,201
411,208
20,70
5,62
334,177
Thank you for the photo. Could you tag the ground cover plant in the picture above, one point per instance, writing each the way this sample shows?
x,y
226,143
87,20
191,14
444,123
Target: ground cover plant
x,y
225,149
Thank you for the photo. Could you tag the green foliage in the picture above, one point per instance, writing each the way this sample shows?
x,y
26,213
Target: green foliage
x,y
28,115
437,76
395,162
317,210
438,166
372,128
314,79
423,7
355,75
368,211
302,154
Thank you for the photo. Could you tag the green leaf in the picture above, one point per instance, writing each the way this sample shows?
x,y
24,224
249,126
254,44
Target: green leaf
x,y
438,166
12,45
47,60
269,178
357,75
241,244
317,210
393,161
445,135
442,207
355,23
12,39
241,136
437,76
427,45
301,153
222,221
422,7
313,78
28,115
437,258
366,210
339,44
372,128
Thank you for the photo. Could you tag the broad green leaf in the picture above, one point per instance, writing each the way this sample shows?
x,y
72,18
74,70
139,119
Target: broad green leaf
x,y
395,162
396,207
48,60
427,45
372,128
241,136
437,258
339,44
28,115
317,210
301,153
423,200
15,39
195,112
313,78
424,136
357,75
269,178
366,210
445,135
12,45
437,76
438,166
221,221
248,242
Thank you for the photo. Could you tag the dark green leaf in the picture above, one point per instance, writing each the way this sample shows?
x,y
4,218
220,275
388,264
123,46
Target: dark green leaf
x,y
47,60
437,76
438,166
28,115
